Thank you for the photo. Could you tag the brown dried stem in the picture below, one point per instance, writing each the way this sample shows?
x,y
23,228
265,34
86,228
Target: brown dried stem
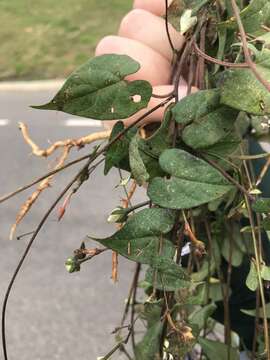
x,y
85,140
66,146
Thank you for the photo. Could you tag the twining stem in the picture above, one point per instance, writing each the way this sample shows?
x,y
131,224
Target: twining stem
x,y
167,27
216,61
230,178
123,342
258,261
258,270
131,291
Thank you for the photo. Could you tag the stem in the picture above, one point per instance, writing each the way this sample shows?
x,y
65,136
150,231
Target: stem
x,y
258,268
167,27
230,178
40,225
216,61
133,284
248,59
119,345
136,279
38,180
258,262
135,207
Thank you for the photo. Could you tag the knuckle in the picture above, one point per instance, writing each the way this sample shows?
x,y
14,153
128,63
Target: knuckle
x,y
104,45
131,21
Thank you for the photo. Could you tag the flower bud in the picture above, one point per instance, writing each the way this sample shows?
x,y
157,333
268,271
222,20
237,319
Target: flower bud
x,y
72,264
118,215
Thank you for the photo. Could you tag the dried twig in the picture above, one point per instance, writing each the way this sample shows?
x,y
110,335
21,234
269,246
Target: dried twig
x,y
66,145
85,140
31,200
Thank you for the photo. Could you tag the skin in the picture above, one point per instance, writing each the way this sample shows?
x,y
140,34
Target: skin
x,y
142,36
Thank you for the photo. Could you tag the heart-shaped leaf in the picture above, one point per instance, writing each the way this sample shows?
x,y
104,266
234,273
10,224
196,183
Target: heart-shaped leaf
x,y
196,106
210,129
242,91
193,181
98,90
168,276
142,236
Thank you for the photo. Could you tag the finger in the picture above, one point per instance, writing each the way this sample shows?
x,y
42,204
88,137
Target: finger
x,y
156,116
156,7
150,30
154,67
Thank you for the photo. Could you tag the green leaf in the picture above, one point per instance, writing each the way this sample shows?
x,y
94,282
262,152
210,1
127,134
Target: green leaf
x,y
261,205
213,348
209,129
142,235
150,311
265,272
144,153
266,224
196,106
223,149
193,181
253,17
98,90
253,311
215,292
199,317
241,89
148,348
137,166
118,151
222,37
169,277
236,256
252,278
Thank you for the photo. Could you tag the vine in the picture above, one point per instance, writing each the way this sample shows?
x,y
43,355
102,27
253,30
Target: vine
x,y
202,233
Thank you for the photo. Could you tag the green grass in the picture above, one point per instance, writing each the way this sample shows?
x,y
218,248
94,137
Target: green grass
x,y
43,39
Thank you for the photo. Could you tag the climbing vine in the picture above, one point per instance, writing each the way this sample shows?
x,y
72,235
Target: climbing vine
x,y
201,236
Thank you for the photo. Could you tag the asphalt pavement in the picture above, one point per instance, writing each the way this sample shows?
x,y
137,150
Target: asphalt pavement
x,y
52,314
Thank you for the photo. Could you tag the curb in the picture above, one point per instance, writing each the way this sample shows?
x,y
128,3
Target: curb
x,y
40,85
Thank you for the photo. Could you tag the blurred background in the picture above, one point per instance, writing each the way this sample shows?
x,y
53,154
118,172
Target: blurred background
x,y
47,39
53,314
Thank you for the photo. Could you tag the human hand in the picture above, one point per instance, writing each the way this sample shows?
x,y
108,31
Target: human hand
x,y
142,36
